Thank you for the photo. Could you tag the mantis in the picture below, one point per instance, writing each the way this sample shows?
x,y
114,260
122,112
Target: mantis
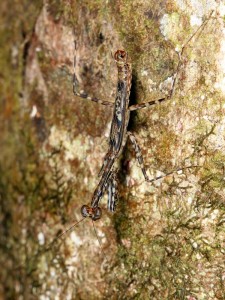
x,y
118,136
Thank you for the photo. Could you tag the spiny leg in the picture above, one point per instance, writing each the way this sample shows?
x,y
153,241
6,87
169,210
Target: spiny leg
x,y
141,162
108,156
82,94
112,192
178,170
139,156
180,54
147,104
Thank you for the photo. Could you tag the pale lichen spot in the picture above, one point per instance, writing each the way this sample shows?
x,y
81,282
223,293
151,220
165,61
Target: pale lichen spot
x,y
220,57
76,239
169,24
38,49
220,85
217,140
52,272
195,20
144,73
221,9
198,256
34,111
195,245
85,180
166,85
155,116
201,7
151,85
41,238
189,200
172,26
75,148
214,214
193,69
44,297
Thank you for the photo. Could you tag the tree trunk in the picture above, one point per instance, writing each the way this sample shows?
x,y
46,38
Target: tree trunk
x,y
166,239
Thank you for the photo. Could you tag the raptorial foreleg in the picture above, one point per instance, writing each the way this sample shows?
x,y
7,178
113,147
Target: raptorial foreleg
x,y
83,94
112,192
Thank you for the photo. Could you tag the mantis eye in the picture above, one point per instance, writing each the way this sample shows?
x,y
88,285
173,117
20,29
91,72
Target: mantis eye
x,y
85,211
120,55
97,214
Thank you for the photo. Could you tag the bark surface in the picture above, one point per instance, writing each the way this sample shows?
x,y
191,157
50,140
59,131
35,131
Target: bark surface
x,y
166,239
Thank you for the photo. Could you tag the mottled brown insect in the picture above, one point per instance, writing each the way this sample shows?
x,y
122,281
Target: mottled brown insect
x,y
118,136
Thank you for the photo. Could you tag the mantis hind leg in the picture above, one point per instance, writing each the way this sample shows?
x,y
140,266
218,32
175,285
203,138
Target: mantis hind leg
x,y
138,154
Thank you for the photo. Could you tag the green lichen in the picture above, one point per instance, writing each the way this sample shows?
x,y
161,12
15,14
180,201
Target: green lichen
x,y
166,240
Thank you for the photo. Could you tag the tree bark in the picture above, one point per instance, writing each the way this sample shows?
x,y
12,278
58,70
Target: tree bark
x,y
166,239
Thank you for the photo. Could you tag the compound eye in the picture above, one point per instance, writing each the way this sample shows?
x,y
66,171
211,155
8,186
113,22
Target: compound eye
x,y
85,211
120,55
97,214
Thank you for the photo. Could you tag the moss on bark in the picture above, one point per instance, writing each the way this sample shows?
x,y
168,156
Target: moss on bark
x,y
166,239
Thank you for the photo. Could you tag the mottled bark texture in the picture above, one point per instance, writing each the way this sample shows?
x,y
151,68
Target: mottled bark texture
x,y
166,239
